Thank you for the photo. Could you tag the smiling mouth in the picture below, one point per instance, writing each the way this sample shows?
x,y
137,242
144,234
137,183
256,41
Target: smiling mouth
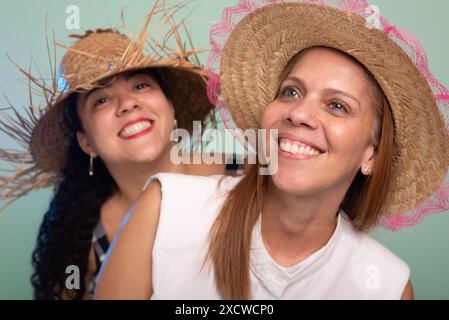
x,y
136,129
297,148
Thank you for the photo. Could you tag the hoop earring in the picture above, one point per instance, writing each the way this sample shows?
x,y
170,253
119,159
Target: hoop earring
x,y
175,124
91,166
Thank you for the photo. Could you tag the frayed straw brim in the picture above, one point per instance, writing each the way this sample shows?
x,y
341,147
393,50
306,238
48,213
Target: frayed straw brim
x,y
45,131
51,136
261,45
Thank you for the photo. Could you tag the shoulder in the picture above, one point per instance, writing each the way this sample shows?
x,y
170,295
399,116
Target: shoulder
x,y
367,248
373,262
190,185
150,197
188,203
189,193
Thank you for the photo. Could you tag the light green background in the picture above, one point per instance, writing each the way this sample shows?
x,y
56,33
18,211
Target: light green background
x,y
22,32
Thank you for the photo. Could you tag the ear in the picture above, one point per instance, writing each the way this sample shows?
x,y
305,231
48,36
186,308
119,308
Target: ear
x,y
368,160
85,144
172,108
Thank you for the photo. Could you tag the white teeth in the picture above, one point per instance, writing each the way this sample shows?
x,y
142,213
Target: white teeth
x,y
135,128
296,149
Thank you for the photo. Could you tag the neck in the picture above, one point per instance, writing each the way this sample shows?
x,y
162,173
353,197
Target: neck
x,y
294,227
131,177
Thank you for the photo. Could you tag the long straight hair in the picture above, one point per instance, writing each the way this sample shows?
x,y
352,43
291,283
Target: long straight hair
x,y
230,236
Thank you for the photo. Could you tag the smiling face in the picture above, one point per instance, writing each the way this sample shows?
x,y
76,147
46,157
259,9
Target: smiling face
x,y
326,116
127,121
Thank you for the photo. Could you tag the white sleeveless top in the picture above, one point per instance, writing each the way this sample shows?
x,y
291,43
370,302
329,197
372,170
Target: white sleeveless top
x,y
351,265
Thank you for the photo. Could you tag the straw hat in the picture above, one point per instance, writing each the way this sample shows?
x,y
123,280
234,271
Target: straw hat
x,y
103,54
261,44
95,56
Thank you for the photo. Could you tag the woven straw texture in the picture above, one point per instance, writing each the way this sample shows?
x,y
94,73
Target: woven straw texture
x,y
97,56
267,37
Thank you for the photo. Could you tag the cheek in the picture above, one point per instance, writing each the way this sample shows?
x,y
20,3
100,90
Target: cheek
x,y
347,138
101,127
166,117
160,105
271,115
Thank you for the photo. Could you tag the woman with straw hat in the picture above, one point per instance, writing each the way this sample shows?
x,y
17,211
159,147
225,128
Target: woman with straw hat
x,y
100,137
360,135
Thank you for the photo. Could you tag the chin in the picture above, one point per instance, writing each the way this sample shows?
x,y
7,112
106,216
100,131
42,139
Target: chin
x,y
291,183
286,183
148,155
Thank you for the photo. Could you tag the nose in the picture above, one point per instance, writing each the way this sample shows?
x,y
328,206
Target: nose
x,y
127,103
304,114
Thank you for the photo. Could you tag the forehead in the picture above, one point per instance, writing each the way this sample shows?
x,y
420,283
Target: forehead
x,y
110,81
330,66
125,76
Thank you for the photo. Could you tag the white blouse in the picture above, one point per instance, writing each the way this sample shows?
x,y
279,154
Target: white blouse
x,y
352,265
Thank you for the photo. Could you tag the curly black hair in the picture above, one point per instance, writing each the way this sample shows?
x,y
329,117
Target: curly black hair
x,y
65,235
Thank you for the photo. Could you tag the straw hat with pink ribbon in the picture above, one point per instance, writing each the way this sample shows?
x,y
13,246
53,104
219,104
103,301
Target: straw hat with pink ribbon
x,y
256,39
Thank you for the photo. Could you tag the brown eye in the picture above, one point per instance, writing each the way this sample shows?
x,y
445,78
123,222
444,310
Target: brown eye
x,y
141,86
340,107
101,101
289,92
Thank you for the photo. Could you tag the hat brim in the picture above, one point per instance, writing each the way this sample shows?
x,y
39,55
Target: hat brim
x,y
261,45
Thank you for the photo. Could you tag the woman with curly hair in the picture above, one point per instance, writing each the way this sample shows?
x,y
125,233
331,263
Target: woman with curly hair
x,y
99,139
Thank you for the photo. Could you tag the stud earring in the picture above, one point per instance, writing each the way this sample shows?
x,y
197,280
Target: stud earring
x,y
366,170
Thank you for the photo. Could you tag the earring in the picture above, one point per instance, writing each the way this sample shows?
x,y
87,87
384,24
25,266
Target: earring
x,y
366,170
91,166
175,124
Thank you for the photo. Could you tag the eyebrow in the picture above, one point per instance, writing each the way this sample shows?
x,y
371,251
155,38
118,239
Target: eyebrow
x,y
296,80
330,91
134,73
96,89
127,76
342,93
